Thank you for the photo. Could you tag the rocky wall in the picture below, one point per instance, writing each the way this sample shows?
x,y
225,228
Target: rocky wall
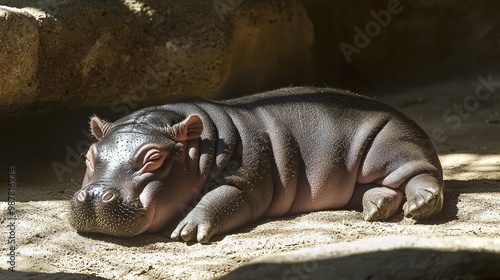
x,y
122,55
127,54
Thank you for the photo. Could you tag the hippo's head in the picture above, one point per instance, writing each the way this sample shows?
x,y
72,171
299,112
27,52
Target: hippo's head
x,y
129,187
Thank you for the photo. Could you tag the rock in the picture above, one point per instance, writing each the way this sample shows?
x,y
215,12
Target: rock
x,y
18,57
128,55
122,55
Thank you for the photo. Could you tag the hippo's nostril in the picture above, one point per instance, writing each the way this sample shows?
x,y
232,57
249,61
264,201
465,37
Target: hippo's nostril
x,y
82,195
108,197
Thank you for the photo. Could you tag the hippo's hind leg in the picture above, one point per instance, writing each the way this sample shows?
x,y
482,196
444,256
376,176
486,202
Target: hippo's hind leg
x,y
377,202
422,193
401,157
424,196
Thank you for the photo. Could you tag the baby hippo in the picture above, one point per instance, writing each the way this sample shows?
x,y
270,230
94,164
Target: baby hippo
x,y
217,166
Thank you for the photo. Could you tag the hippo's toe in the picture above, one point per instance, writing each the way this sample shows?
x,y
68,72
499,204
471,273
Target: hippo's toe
x,y
424,197
381,203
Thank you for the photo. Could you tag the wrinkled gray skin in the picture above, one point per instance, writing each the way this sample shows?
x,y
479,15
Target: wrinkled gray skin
x,y
277,153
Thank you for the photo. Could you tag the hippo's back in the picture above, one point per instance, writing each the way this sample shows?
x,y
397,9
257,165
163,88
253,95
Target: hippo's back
x,y
300,96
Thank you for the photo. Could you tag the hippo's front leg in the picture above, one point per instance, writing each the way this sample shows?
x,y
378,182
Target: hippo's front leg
x,y
220,210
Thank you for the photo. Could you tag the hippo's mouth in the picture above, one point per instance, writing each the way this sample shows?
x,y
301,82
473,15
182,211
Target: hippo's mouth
x,y
149,206
149,210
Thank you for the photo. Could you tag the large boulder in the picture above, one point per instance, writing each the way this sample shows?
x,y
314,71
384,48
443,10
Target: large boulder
x,y
122,55
18,57
127,54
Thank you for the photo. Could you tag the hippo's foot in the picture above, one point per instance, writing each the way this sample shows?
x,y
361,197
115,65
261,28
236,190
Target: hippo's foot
x,y
380,203
195,226
220,210
424,195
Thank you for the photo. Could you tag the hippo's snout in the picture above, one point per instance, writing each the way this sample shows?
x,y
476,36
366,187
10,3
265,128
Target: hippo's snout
x,y
107,209
85,196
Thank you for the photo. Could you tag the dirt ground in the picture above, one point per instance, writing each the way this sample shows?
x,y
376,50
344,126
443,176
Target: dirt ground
x,y
48,248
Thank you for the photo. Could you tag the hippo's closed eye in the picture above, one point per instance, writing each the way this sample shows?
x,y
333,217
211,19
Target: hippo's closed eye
x,y
150,158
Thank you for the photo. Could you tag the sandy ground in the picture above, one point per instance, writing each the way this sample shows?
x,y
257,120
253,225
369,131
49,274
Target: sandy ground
x,y
48,248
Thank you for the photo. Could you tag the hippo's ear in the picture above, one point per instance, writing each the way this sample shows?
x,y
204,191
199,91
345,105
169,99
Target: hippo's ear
x,y
98,127
190,128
